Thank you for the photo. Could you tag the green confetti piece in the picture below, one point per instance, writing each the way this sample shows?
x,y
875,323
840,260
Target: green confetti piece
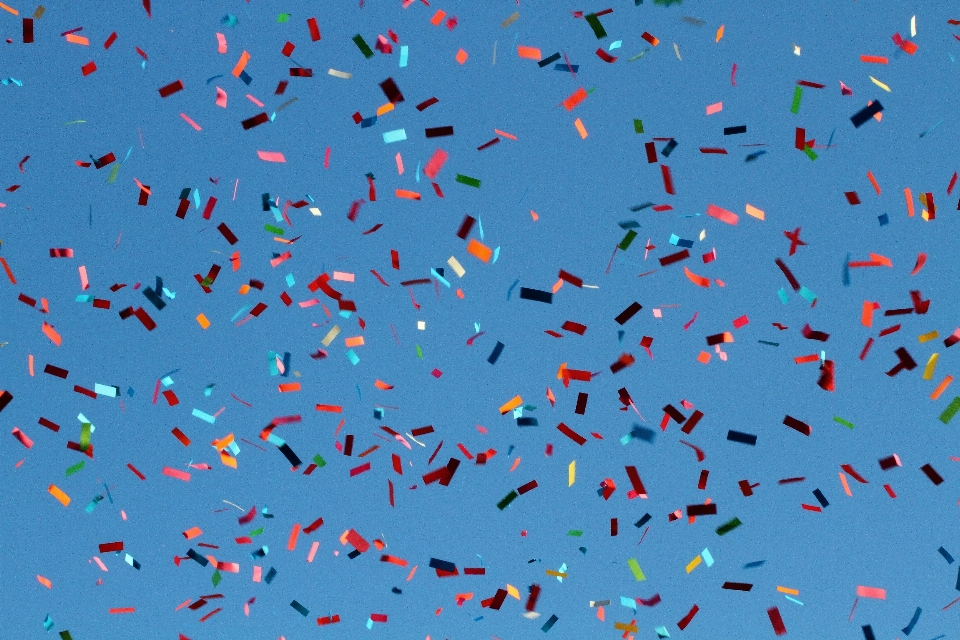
x,y
65,635
576,533
728,527
319,461
272,229
810,154
364,48
85,436
256,532
627,240
950,411
113,174
848,425
638,125
74,468
797,94
467,180
594,23
510,497
636,570
419,352
283,17
216,577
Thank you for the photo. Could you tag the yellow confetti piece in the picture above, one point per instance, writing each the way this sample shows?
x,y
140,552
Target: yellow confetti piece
x,y
456,266
693,564
636,570
204,323
676,49
340,74
719,33
327,339
879,84
558,574
931,366
571,473
513,592
927,337
792,592
57,493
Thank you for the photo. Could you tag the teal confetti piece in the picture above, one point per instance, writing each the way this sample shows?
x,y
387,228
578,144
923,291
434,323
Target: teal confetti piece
x,y
84,299
797,94
353,357
439,277
615,45
467,180
793,600
48,622
404,52
480,227
707,558
290,280
950,411
496,254
106,390
206,417
808,295
302,609
397,135
239,313
629,603
782,294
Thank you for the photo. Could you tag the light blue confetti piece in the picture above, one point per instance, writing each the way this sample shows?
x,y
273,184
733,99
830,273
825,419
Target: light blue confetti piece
x,y
707,558
615,45
674,239
239,313
783,296
630,603
662,632
404,52
626,439
234,448
480,227
272,359
167,381
196,198
793,600
169,294
208,390
354,358
518,413
7,81
278,216
129,151
496,254
84,299
418,172
276,440
206,417
808,295
290,280
823,356
105,390
476,327
359,394
48,622
345,314
563,569
394,136
369,623
310,198
440,278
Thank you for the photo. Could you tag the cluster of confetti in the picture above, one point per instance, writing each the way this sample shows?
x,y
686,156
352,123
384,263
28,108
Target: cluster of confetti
x,y
426,319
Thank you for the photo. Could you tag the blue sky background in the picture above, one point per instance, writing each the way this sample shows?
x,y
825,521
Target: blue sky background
x,y
581,189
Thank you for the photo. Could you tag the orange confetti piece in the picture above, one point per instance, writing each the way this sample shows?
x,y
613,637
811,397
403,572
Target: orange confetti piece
x,y
516,463
873,181
409,195
380,384
805,359
792,592
75,39
6,268
192,533
700,281
704,357
354,342
123,610
580,128
719,33
846,487
505,134
756,213
287,387
909,197
51,333
294,534
45,582
941,387
530,53
479,250
438,18
10,9
244,59
511,404
57,493
462,56
874,59
204,323
534,215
